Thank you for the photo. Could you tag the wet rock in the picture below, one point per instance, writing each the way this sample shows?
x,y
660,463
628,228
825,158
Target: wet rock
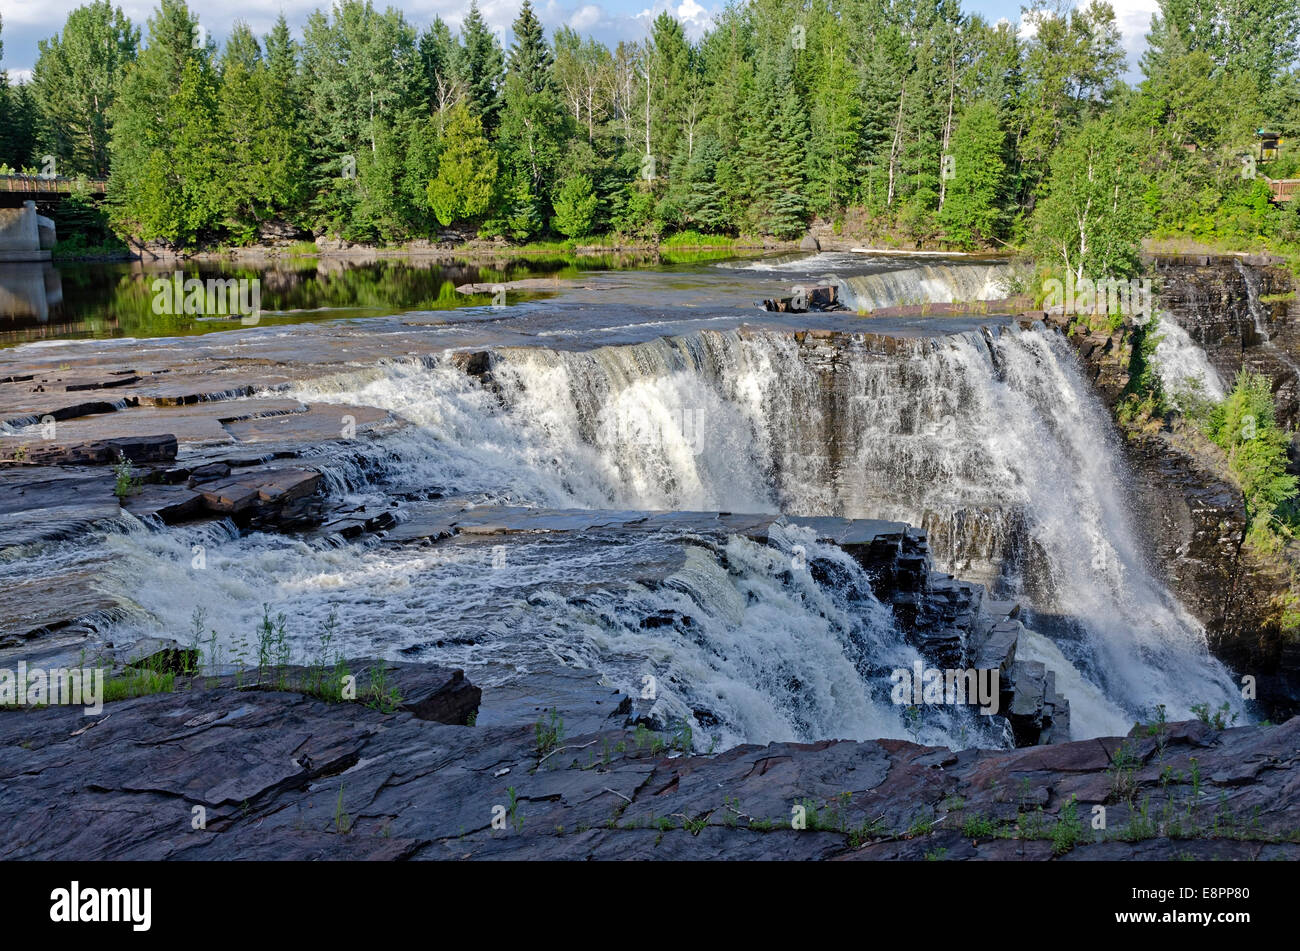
x,y
170,503
206,473
42,502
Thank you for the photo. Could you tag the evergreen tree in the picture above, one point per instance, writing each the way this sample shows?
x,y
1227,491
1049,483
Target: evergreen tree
x,y
365,81
467,170
156,192
75,81
773,150
438,57
575,207
479,68
532,127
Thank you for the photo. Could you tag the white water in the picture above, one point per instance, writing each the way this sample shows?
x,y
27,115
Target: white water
x,y
996,445
1183,366
930,284
1255,307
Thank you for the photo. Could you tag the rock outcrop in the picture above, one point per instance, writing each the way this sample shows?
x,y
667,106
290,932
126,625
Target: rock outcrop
x,y
250,768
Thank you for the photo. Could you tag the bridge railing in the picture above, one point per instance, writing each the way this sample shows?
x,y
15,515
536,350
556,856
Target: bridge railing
x,y
40,184
1284,189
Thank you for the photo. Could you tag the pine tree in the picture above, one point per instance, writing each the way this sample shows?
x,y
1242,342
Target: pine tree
x,y
479,68
438,57
148,196
365,80
532,126
575,207
774,150
75,81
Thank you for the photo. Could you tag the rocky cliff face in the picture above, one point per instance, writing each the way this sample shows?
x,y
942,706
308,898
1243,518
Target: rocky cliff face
x,y
1241,311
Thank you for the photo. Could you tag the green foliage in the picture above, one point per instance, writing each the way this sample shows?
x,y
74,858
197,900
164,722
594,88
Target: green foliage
x,y
1091,218
164,157
1244,425
972,211
75,81
374,129
575,207
467,171
549,733
1220,719
125,481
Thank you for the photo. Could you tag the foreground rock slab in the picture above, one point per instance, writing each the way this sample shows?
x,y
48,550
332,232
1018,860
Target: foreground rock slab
x,y
249,768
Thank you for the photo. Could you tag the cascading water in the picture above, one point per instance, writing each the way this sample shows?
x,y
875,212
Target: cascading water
x,y
934,284
1183,366
1255,307
993,443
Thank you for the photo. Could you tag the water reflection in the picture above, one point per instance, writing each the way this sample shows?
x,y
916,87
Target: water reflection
x,y
70,300
29,292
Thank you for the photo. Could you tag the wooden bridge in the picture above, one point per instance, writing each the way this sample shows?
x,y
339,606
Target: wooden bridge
x,y
20,188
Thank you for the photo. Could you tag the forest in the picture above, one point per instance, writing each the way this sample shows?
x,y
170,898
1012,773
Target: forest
x,y
905,121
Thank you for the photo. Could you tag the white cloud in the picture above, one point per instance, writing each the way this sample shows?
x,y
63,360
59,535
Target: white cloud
x,y
694,18
584,18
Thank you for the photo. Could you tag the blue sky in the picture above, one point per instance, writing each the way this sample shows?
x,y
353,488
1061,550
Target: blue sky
x,y
26,21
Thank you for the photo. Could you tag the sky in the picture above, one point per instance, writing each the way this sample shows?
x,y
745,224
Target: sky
x,y
26,21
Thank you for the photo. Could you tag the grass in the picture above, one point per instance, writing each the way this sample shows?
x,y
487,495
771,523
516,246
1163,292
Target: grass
x,y
139,682
549,733
1220,719
302,249
696,239
342,821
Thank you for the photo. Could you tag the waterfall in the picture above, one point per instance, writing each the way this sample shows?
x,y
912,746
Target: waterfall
x,y
931,284
1255,307
1183,366
992,441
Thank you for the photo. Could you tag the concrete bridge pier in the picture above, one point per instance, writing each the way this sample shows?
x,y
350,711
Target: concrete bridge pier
x,y
25,235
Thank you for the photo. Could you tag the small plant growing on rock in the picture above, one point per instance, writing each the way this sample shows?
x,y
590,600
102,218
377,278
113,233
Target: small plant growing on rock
x,y
342,821
380,696
979,827
1220,719
549,733
1070,830
272,643
513,810
126,482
